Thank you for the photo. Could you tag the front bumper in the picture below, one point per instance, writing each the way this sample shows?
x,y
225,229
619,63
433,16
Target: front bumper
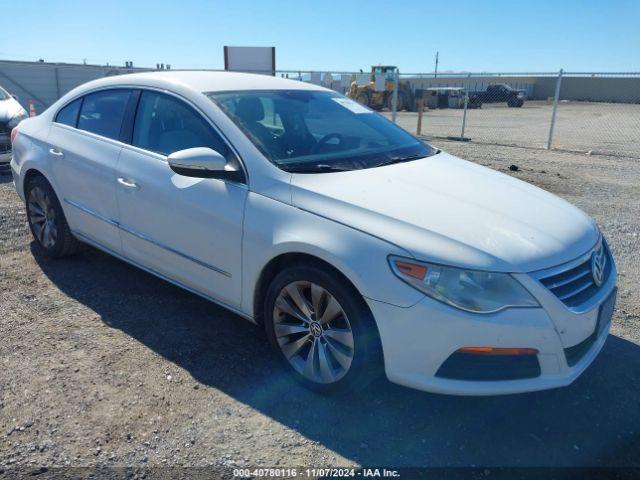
x,y
5,147
418,340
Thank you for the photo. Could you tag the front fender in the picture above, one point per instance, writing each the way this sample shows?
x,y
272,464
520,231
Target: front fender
x,y
273,228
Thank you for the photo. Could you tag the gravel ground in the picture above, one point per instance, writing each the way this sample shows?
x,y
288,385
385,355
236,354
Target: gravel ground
x,y
105,365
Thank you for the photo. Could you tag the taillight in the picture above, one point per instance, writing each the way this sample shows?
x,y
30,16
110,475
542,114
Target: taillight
x,y
14,132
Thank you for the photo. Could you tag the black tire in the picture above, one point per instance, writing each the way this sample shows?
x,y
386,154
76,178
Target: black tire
x,y
515,103
366,364
402,102
363,99
63,243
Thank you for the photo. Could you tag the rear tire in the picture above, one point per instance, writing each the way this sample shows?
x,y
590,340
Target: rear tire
x,y
402,103
47,221
329,344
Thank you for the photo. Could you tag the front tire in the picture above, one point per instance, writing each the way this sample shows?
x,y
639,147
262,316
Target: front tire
x,y
47,221
322,329
363,99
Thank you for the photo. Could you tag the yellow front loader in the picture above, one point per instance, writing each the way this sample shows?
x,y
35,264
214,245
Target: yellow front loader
x,y
381,97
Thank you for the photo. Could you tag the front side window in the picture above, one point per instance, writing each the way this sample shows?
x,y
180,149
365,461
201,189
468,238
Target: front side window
x,y
102,112
165,124
3,94
311,131
69,114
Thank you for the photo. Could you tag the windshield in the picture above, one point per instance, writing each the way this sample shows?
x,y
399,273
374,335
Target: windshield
x,y
312,131
3,94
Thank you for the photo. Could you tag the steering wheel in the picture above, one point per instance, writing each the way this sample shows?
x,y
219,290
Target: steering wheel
x,y
323,141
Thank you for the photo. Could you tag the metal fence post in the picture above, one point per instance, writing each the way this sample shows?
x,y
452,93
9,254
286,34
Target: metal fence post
x,y
394,97
556,98
420,113
466,103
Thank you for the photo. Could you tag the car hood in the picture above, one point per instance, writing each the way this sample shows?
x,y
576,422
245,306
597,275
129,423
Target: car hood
x,y
9,108
447,210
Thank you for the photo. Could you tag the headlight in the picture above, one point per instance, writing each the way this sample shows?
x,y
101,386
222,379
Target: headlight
x,y
16,120
471,290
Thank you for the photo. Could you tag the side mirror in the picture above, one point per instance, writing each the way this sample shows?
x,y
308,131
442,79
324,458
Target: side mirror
x,y
16,98
202,162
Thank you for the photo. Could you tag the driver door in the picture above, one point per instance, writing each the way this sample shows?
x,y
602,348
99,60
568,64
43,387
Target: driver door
x,y
186,229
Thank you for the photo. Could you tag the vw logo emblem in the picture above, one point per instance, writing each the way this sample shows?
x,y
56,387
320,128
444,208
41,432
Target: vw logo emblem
x,y
316,329
597,266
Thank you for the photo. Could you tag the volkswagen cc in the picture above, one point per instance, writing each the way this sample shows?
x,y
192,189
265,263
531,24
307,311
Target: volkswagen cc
x,y
357,247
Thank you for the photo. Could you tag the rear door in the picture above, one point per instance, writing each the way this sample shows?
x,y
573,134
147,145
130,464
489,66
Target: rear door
x,y
187,229
84,147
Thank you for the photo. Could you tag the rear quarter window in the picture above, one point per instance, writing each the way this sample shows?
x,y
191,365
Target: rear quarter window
x,y
69,114
102,112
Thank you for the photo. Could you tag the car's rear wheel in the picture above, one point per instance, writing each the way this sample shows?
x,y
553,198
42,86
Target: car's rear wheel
x,y
322,329
47,221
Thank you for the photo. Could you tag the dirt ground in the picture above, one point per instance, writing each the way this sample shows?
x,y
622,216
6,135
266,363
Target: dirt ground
x,y
102,364
609,128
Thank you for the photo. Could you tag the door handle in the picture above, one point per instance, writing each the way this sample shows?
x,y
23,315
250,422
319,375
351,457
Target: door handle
x,y
128,183
56,153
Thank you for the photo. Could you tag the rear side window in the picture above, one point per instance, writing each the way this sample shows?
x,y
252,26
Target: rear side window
x,y
69,114
166,125
102,112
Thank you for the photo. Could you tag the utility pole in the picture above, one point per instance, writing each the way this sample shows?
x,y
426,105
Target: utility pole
x,y
436,70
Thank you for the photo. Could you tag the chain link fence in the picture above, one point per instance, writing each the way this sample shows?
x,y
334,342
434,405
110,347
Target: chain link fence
x,y
596,113
608,125
578,111
495,109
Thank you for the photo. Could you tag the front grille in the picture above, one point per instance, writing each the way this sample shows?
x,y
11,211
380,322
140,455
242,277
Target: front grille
x,y
5,142
576,285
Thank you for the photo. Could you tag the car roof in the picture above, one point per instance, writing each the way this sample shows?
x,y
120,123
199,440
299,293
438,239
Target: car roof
x,y
204,81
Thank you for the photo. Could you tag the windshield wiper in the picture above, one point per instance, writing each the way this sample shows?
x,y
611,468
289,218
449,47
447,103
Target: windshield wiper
x,y
393,160
407,158
317,168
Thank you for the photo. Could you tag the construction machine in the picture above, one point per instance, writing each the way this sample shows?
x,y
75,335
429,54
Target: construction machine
x,y
381,97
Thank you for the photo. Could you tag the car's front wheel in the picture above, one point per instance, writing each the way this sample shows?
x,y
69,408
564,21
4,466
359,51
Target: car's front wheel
x,y
322,328
47,221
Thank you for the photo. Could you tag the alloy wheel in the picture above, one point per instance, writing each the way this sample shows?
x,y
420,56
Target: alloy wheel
x,y
313,332
42,215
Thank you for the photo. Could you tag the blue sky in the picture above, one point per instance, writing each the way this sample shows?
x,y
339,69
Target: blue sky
x,y
476,35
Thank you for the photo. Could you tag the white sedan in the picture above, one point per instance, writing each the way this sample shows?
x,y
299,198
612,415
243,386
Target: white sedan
x,y
359,248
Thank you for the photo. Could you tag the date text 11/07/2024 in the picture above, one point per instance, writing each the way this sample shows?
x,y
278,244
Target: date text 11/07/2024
x,y
315,473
